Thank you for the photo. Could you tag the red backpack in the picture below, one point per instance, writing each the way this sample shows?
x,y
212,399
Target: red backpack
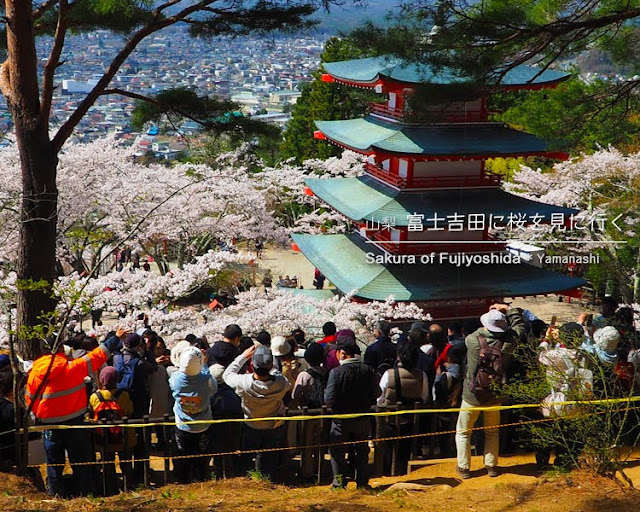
x,y
110,411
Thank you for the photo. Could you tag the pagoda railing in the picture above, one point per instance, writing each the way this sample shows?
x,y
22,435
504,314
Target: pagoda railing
x,y
393,179
384,110
427,248
485,180
470,116
436,116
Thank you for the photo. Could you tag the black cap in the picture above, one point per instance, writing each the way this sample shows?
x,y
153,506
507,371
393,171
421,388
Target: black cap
x,y
222,353
423,326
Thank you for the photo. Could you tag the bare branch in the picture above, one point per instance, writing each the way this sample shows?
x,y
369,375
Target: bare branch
x,y
53,61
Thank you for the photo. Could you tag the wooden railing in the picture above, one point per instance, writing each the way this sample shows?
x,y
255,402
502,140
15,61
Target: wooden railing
x,y
392,179
384,110
486,180
436,116
428,248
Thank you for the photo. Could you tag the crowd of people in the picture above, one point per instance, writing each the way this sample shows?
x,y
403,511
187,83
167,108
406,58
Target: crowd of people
x,y
133,374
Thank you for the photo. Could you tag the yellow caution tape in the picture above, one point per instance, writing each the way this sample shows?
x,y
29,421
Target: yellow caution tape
x,y
629,400
326,445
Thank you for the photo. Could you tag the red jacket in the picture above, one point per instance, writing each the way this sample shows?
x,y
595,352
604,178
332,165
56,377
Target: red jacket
x,y
327,339
63,397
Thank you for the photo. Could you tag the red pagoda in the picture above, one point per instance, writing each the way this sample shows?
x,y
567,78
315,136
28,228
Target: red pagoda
x,y
426,206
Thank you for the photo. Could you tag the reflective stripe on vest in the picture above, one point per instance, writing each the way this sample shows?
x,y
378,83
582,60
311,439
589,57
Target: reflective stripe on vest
x,y
57,394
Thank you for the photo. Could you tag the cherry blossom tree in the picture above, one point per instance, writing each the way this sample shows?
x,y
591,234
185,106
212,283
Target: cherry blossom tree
x,y
279,312
139,288
108,200
28,82
604,187
289,198
104,194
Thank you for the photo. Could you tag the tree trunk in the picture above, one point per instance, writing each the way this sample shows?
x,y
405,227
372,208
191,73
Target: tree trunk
x,y
38,163
37,255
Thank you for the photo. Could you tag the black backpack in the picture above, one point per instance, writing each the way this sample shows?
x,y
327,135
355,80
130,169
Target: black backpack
x,y
110,411
316,400
387,364
225,403
489,372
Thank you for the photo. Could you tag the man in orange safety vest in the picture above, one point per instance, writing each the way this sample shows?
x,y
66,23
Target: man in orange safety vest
x,y
56,394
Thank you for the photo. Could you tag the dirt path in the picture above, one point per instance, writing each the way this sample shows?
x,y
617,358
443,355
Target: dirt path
x,y
431,488
283,262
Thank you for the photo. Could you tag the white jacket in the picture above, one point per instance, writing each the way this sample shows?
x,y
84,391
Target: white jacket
x,y
260,398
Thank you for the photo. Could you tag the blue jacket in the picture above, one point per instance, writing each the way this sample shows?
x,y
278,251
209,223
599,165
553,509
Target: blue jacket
x,y
192,395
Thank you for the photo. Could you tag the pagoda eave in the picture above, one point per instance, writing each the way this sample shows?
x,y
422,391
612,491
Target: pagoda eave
x,y
433,157
328,78
383,84
365,198
534,87
394,72
476,141
351,265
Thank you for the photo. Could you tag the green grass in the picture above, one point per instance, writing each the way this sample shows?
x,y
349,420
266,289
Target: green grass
x,y
257,476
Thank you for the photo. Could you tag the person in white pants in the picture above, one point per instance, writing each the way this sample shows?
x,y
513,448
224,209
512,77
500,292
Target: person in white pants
x,y
501,328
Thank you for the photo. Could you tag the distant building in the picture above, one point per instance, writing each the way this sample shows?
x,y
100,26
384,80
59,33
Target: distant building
x,y
75,87
281,98
275,118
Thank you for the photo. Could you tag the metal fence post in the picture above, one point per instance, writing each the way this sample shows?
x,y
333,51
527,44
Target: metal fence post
x,y
305,453
103,451
414,431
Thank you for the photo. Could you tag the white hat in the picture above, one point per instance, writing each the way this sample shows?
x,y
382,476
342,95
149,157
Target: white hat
x,y
216,371
607,338
191,361
494,321
280,346
177,350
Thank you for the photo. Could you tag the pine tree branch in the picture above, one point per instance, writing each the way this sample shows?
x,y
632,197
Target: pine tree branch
x,y
140,97
158,10
53,61
565,27
250,19
43,8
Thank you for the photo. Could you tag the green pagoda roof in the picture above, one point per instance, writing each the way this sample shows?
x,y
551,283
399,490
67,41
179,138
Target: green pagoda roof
x,y
370,70
490,139
342,259
366,198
